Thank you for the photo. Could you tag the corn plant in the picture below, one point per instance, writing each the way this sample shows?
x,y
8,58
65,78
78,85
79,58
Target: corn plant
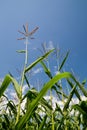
x,y
32,110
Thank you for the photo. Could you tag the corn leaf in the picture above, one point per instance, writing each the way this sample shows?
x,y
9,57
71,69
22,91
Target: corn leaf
x,y
34,103
21,51
12,107
7,80
42,123
37,61
76,92
4,85
64,60
27,81
81,86
76,106
46,70
66,105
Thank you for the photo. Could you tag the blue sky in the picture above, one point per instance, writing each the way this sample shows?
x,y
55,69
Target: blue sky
x,y
64,22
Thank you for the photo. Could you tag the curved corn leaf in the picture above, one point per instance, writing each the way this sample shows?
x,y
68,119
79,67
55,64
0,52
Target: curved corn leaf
x,y
34,103
4,84
32,94
37,61
7,80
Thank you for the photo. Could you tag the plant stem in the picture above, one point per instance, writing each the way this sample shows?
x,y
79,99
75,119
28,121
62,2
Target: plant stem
x,y
26,54
22,80
52,118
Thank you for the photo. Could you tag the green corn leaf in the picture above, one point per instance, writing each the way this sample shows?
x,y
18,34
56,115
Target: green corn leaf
x,y
7,120
76,106
66,105
34,103
83,105
37,61
12,107
42,123
32,94
37,117
81,86
4,85
76,92
7,80
4,126
64,60
26,80
46,70
84,82
16,86
21,51
58,109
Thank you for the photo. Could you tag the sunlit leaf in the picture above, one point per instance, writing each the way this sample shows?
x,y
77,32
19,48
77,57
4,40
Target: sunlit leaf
x,y
37,61
64,60
34,103
7,80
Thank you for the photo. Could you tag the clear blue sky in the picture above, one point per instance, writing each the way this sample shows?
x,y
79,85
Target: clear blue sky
x,y
64,22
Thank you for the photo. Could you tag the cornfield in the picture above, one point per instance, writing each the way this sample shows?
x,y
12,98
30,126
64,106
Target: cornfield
x,y
32,110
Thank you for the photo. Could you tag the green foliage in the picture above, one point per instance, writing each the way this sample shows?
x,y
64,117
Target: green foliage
x,y
38,112
7,80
